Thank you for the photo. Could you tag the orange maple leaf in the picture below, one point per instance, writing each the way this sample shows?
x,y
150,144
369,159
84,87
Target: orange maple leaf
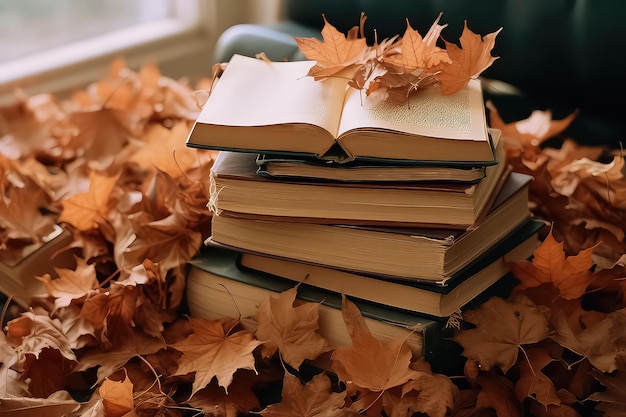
x,y
468,62
117,397
85,210
315,398
418,52
571,275
502,327
212,352
70,284
109,361
534,130
293,331
334,54
21,215
370,366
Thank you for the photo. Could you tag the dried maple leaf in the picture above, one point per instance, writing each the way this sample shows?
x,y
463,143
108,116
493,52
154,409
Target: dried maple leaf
x,y
71,284
534,130
468,62
211,351
369,366
571,275
117,397
334,53
418,52
58,404
85,210
240,399
601,343
103,133
112,312
22,217
34,126
431,394
168,241
314,398
164,149
32,332
612,401
532,382
496,392
502,328
292,330
108,361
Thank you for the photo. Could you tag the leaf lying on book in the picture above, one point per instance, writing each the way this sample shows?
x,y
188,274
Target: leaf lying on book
x,y
292,330
396,67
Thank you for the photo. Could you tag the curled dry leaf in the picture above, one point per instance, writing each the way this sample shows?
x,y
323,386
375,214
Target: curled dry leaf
x,y
117,397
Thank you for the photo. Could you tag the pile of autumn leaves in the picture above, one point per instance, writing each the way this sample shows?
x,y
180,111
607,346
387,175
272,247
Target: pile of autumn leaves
x,y
106,338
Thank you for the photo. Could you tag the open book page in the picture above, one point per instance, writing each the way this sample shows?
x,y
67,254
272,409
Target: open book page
x,y
428,113
253,92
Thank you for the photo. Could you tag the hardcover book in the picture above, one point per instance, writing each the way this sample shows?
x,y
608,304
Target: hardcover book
x,y
18,274
238,191
281,167
432,254
258,106
217,287
489,274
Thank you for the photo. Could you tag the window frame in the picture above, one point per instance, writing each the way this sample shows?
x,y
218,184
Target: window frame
x,y
176,43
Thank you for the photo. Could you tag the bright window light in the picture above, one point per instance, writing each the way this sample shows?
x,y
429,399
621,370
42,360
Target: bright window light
x,y
59,45
32,26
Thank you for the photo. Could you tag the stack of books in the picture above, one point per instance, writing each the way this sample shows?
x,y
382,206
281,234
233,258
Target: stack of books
x,y
409,210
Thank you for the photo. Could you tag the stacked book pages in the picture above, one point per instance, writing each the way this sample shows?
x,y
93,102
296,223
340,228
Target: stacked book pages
x,y
408,209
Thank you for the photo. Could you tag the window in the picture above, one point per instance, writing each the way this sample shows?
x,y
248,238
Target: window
x,y
58,45
31,26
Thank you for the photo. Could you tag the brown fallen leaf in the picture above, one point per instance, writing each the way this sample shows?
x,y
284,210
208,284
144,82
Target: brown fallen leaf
x,y
368,366
601,343
213,352
534,130
533,383
58,404
314,398
291,330
117,397
569,274
502,328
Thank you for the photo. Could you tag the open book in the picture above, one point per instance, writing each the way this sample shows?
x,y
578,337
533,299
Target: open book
x,y
258,106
